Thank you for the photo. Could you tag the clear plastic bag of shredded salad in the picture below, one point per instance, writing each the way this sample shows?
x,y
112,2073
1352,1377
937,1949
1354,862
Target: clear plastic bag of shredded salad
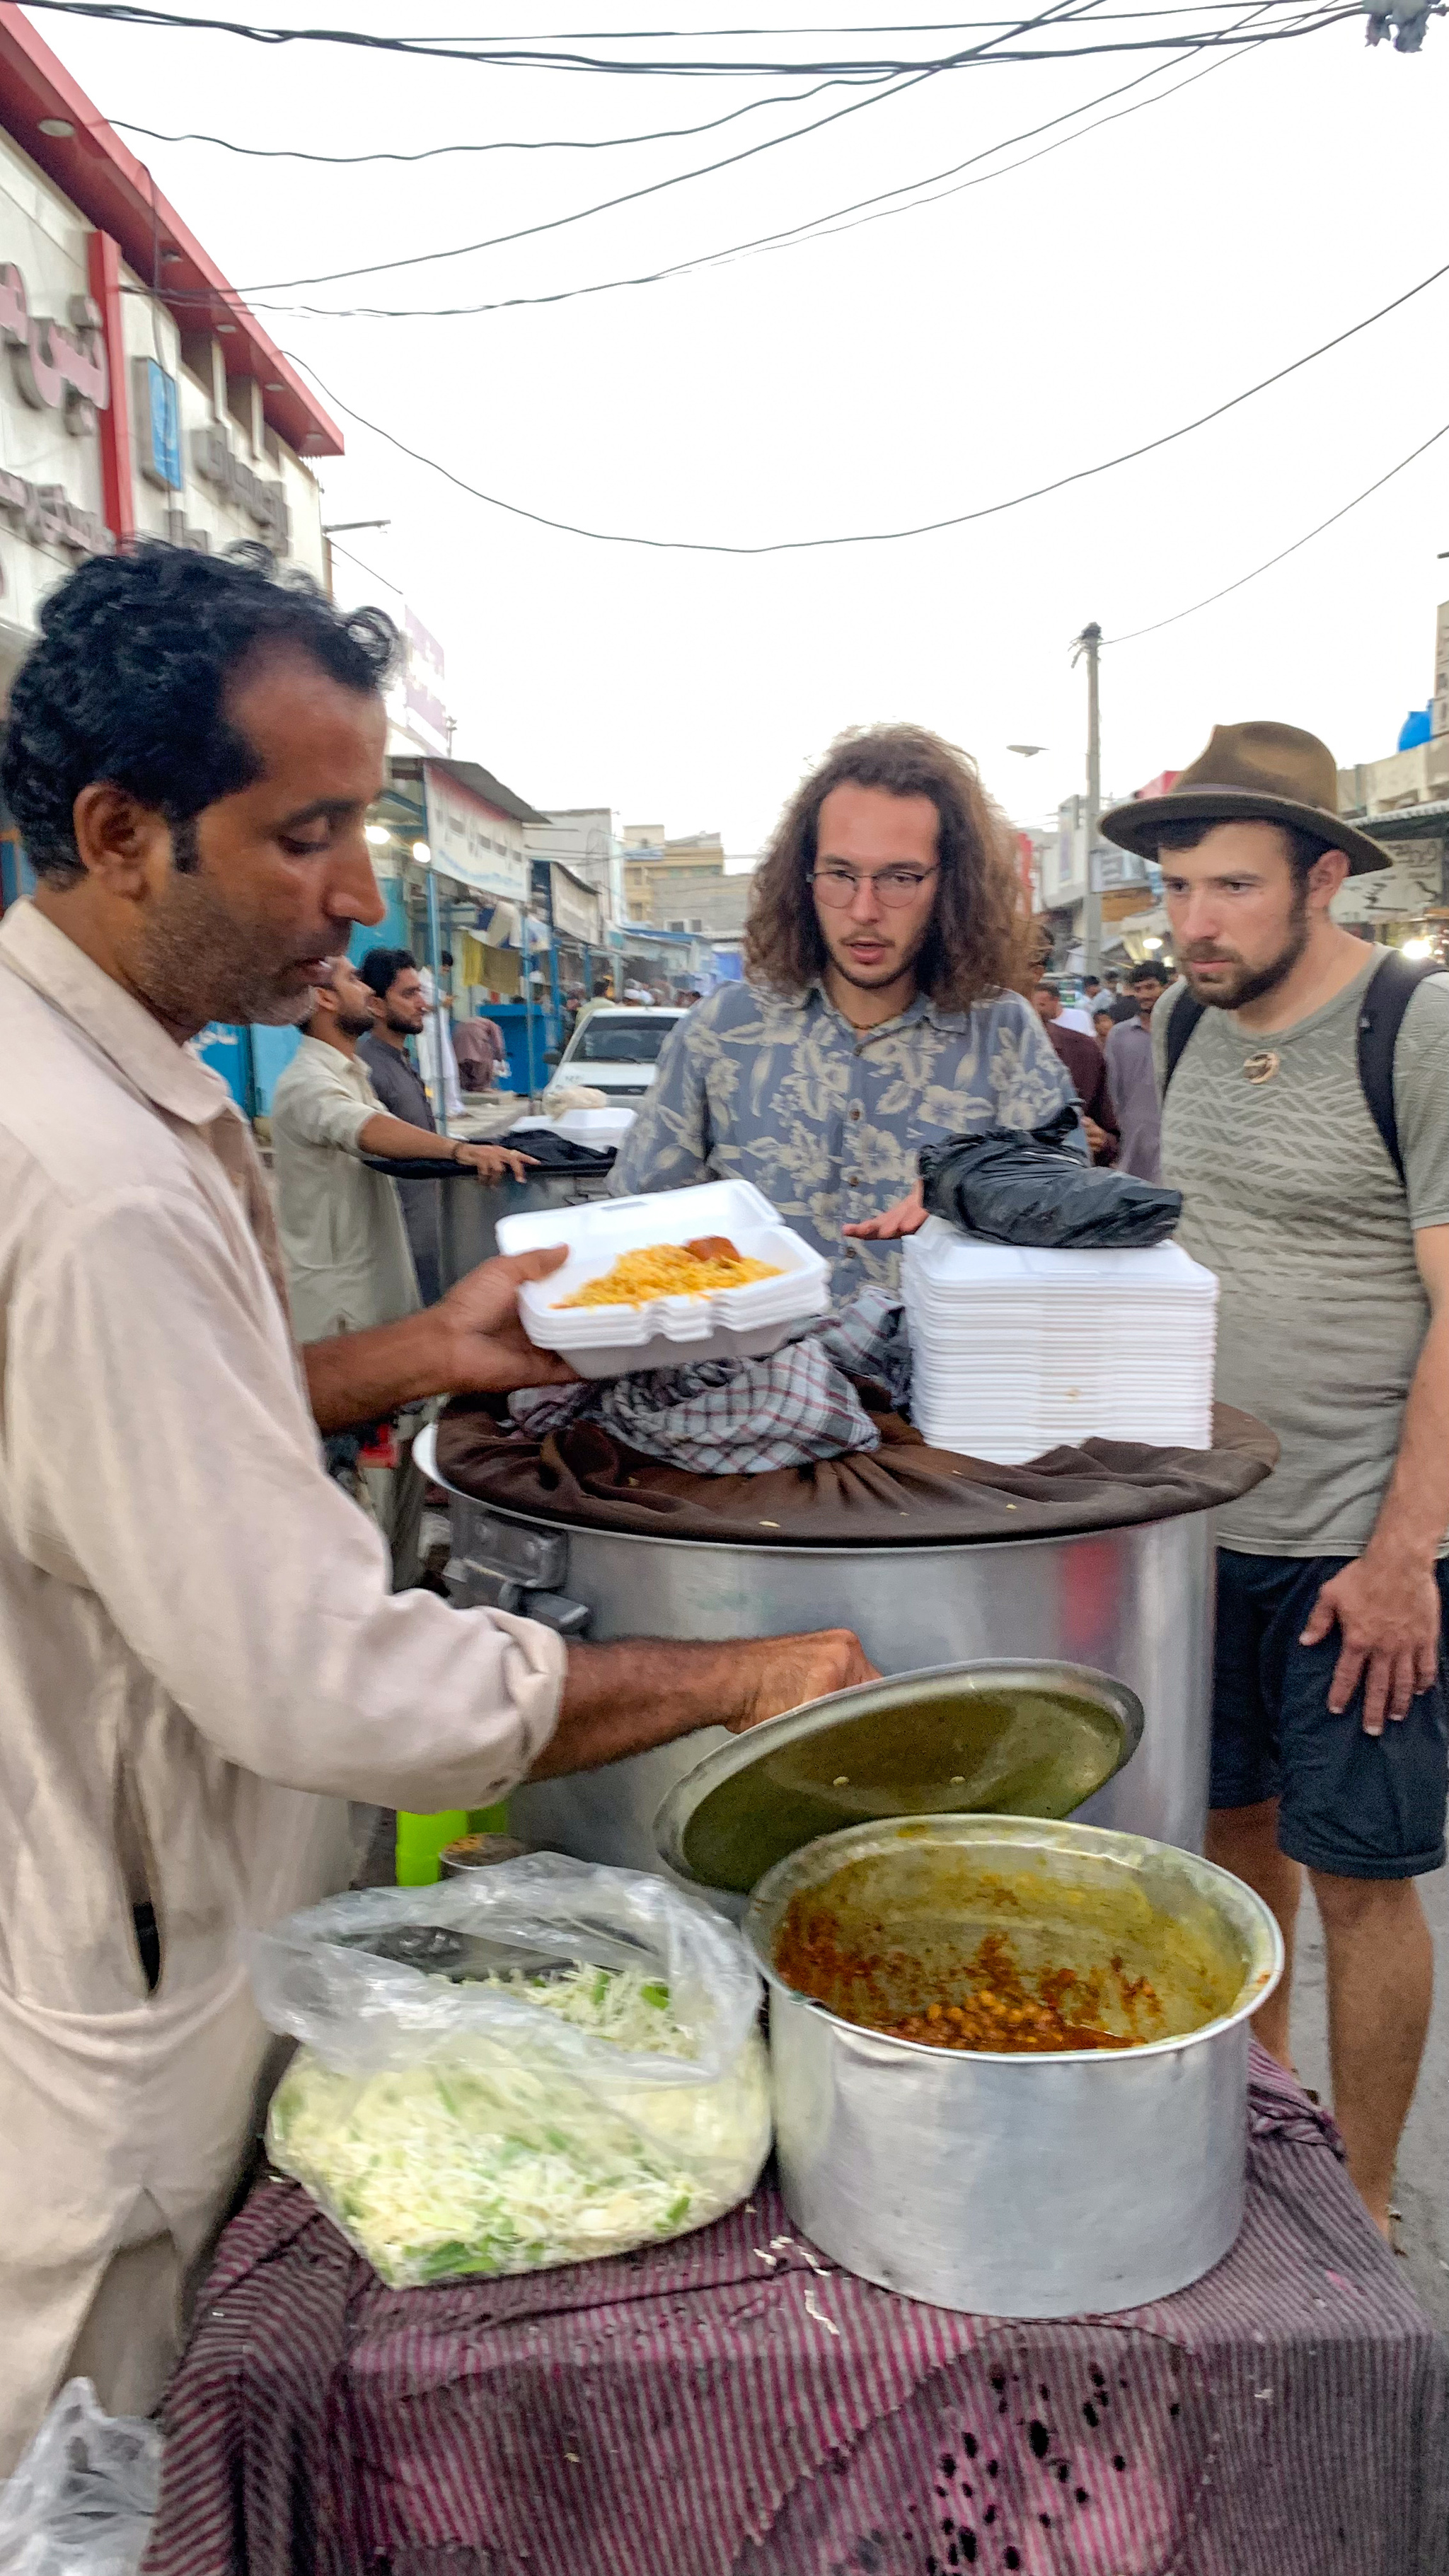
x,y
541,2064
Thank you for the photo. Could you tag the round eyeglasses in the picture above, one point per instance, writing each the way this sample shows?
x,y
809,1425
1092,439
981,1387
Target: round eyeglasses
x,y
837,888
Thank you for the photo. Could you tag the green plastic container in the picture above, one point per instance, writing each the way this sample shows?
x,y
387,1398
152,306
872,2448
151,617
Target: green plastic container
x,y
420,1839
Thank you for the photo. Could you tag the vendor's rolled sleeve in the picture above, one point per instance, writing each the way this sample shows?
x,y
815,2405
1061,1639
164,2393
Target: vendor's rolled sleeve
x,y
162,1459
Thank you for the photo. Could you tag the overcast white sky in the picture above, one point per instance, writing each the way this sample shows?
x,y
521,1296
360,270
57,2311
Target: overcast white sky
x,y
900,371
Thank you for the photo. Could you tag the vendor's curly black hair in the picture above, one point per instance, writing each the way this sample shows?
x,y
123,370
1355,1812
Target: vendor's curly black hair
x,y
129,678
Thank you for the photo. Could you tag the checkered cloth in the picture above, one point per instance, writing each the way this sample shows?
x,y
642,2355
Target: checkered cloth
x,y
743,1417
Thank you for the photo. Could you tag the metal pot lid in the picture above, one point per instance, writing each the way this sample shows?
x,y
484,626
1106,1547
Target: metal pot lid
x,y
1006,1738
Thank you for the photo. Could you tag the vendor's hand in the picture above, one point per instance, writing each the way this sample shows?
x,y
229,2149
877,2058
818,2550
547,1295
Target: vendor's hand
x,y
1097,1137
906,1217
779,1673
490,1162
1387,1612
488,1351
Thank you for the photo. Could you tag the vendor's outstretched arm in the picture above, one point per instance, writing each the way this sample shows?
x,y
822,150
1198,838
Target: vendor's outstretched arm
x,y
625,1698
470,1343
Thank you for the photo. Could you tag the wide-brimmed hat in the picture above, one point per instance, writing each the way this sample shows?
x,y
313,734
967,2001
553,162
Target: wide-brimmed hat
x,y
1251,773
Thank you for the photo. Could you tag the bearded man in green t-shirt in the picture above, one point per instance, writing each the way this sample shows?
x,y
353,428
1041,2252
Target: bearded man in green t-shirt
x,y
1306,1122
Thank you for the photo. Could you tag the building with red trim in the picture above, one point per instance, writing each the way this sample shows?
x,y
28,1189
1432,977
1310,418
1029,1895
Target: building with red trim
x,y
138,396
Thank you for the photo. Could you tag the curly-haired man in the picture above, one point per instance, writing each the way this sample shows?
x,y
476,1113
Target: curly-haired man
x,y
881,1011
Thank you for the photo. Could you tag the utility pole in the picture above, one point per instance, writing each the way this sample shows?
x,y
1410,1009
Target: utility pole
x,y
1089,642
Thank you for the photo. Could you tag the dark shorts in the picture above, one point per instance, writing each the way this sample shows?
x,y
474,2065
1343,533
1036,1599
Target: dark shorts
x,y
1354,1805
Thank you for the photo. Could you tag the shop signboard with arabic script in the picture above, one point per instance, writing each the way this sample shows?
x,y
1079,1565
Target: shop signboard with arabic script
x,y
56,368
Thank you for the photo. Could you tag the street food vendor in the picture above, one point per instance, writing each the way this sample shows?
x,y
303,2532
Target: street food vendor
x,y
885,938
200,1659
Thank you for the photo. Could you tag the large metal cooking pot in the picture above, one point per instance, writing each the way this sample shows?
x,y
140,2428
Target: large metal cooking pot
x,y
468,1219
1135,1603
1029,2186
469,1210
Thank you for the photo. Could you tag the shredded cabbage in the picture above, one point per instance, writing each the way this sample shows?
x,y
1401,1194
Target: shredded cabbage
x,y
490,2159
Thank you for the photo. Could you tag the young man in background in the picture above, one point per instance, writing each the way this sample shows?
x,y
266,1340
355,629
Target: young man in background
x,y
1131,1080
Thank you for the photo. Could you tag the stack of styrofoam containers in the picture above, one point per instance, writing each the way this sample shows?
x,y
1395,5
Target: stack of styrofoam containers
x,y
724,1323
1015,1351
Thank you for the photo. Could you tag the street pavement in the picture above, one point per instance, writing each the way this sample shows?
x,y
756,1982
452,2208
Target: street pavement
x,y
1423,2184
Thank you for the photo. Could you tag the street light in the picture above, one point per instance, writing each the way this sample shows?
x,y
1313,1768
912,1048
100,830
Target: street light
x,y
376,835
422,854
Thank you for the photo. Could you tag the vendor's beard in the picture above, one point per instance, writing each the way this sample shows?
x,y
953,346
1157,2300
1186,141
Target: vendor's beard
x,y
1252,982
195,962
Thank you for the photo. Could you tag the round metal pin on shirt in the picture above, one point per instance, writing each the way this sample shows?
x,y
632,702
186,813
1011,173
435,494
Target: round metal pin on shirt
x,y
1261,1067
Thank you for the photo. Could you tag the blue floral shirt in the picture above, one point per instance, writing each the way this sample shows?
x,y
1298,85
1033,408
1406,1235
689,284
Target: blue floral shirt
x,y
828,1120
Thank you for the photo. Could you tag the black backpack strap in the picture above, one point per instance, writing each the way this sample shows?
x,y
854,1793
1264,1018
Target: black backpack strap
x,y
1185,1016
1391,989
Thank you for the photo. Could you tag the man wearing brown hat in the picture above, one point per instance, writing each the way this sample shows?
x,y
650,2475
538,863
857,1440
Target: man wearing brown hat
x,y
1306,1121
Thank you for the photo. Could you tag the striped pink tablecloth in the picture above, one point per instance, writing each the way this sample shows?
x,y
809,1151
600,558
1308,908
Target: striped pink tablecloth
x,y
732,2406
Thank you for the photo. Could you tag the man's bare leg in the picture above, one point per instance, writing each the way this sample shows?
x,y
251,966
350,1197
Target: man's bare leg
x,y
1380,1986
1245,1840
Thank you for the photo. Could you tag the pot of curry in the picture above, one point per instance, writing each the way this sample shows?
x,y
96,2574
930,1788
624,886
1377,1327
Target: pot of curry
x,y
1010,2057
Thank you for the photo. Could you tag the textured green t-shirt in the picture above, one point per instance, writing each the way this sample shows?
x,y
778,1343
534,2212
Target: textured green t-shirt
x,y
1290,1196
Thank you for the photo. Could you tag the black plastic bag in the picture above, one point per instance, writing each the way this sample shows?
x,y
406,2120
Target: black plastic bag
x,y
1013,1187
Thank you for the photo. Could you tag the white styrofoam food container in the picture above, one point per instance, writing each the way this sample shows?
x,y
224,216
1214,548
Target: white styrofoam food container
x,y
725,1323
597,1127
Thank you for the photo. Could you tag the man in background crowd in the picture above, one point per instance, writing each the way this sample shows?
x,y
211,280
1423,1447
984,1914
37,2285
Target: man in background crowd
x,y
481,1051
436,1060
1073,1015
1131,1080
1102,1023
398,1013
1086,1064
344,1241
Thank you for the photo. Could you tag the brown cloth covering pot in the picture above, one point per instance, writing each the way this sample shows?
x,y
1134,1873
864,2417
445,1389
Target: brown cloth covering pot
x,y
902,1494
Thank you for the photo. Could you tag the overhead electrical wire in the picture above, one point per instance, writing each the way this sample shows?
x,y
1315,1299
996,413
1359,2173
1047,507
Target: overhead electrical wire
x,y
1244,37
1298,543
439,151
583,214
1059,12
599,142
694,35
795,236
132,13
873,536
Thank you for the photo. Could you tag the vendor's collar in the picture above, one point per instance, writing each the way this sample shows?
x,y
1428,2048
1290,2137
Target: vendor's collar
x,y
114,1021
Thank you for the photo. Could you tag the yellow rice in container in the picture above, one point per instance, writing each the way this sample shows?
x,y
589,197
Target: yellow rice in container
x,y
667,1270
